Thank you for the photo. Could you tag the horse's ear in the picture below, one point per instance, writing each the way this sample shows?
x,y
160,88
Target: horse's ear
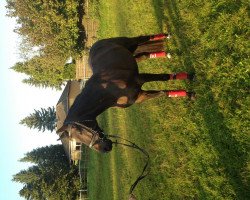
x,y
64,134
62,129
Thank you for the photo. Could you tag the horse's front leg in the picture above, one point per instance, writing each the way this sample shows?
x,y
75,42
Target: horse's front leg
x,y
144,77
146,95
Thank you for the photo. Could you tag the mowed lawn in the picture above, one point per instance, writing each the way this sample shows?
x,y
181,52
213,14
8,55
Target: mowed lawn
x,y
198,149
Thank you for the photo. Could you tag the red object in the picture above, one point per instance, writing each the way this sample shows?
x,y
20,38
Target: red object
x,y
172,76
182,75
161,54
176,93
158,37
179,76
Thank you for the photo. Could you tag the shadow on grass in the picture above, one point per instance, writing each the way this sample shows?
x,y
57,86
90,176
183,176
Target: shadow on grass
x,y
232,158
175,24
82,33
159,12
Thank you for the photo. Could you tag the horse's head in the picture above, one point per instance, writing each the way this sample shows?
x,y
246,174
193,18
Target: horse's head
x,y
82,134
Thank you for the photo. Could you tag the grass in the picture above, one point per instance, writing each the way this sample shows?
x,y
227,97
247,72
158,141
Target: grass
x,y
198,150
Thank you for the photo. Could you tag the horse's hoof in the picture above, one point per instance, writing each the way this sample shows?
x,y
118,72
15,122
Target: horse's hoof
x,y
168,55
132,197
168,36
191,96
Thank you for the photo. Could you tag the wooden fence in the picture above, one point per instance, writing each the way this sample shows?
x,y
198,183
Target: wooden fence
x,y
83,173
83,72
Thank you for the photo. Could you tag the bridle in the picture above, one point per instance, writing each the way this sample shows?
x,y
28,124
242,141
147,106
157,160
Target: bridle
x,y
124,142
93,132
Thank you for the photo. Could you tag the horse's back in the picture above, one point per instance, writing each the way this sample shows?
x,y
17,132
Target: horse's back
x,y
106,57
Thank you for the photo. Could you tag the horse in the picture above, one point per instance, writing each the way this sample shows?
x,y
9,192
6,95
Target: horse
x,y
116,82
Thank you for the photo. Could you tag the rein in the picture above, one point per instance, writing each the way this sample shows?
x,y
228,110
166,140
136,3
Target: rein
x,y
133,146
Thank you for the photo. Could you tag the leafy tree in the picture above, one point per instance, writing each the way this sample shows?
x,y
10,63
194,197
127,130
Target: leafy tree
x,y
47,23
51,177
50,34
44,119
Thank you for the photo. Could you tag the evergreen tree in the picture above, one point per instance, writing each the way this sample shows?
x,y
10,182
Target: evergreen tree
x,y
34,82
43,156
43,71
28,176
51,177
44,119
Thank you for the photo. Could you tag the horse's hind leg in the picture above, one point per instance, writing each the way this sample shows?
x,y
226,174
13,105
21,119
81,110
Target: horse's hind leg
x,y
146,95
156,54
153,48
160,36
148,43
129,43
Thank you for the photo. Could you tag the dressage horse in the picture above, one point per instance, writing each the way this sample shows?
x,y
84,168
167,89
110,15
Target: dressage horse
x,y
116,82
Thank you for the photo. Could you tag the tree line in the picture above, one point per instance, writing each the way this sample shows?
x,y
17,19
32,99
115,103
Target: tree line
x,y
50,32
51,176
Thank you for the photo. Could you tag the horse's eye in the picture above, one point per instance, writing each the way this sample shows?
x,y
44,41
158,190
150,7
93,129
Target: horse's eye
x,y
76,128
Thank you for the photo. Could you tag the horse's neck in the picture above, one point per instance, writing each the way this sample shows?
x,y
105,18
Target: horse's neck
x,y
92,124
88,104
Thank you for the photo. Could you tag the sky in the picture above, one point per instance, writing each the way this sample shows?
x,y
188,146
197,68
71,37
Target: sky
x,y
18,100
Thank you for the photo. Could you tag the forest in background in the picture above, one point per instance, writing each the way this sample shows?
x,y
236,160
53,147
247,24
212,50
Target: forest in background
x,y
50,33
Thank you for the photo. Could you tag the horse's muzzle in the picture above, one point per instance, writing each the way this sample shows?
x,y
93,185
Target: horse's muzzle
x,y
104,145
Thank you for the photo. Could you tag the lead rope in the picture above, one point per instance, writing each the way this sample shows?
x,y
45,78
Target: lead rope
x,y
134,146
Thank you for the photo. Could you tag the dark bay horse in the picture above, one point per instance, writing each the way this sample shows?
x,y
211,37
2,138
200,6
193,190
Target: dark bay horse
x,y
116,82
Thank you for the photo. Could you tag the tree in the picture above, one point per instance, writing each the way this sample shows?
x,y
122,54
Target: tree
x,y
44,119
49,32
51,177
42,71
47,23
45,72
47,156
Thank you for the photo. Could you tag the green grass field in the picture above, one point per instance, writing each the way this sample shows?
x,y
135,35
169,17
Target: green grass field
x,y
200,149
